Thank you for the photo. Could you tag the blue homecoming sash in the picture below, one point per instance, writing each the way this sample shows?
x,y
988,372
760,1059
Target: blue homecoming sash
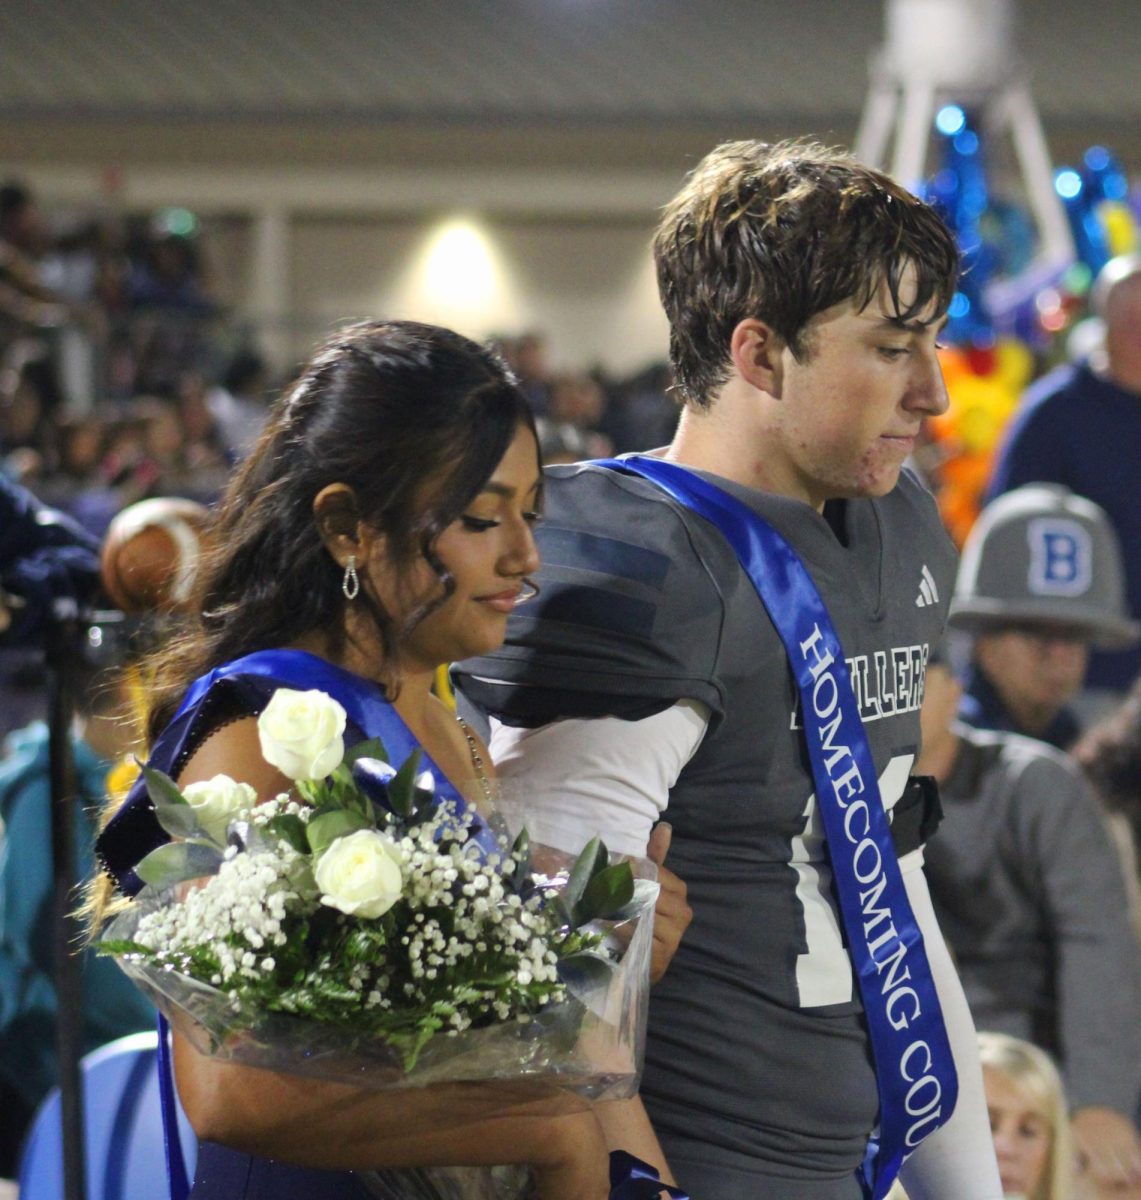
x,y
915,1071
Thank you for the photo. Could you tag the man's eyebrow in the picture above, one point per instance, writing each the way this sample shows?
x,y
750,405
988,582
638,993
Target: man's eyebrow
x,y
912,326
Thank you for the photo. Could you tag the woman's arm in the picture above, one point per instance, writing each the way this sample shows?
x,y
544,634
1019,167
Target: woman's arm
x,y
334,1126
627,1127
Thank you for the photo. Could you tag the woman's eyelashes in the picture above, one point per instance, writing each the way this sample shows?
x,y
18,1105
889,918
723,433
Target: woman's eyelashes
x,y
478,524
483,524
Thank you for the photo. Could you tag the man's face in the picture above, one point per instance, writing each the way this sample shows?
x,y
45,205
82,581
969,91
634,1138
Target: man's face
x,y
848,414
1036,668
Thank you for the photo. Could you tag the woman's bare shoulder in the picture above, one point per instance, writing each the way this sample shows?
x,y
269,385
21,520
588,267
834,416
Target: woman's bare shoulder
x,y
234,749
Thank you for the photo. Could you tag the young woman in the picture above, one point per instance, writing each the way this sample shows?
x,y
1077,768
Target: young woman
x,y
381,527
1028,1119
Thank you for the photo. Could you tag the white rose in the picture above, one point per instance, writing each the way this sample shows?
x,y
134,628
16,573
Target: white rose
x,y
301,733
217,802
360,873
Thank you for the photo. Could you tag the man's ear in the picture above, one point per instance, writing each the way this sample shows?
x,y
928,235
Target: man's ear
x,y
755,349
343,533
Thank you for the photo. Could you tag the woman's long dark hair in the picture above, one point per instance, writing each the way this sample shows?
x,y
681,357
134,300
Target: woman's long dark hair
x,y
414,419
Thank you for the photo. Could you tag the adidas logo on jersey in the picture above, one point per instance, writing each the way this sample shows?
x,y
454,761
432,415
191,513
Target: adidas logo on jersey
x,y
928,592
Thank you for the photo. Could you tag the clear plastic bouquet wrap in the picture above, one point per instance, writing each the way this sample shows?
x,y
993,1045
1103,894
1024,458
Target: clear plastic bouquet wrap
x,y
370,928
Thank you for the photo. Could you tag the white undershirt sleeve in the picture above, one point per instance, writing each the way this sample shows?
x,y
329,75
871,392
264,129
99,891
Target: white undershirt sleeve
x,y
957,1161
579,777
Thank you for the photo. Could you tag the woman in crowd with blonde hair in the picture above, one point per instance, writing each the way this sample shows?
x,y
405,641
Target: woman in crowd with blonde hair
x,y
1028,1119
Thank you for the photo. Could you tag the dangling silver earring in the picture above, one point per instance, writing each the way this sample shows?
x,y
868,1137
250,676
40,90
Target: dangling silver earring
x,y
532,590
351,584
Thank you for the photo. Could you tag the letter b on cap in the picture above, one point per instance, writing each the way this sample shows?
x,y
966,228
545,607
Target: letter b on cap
x,y
1061,557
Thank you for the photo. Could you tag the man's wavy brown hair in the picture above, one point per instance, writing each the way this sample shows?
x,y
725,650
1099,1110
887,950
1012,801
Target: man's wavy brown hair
x,y
780,233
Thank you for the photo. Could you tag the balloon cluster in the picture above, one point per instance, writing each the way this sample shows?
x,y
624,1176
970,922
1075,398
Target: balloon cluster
x,y
984,382
1096,199
994,344
959,191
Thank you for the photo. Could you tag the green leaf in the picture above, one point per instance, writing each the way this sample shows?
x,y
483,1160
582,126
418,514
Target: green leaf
x,y
174,814
370,748
593,859
178,861
323,830
584,973
160,787
402,789
119,946
291,828
608,891
179,820
645,896
521,847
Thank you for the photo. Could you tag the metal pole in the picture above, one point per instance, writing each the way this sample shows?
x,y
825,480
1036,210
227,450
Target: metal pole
x,y
62,650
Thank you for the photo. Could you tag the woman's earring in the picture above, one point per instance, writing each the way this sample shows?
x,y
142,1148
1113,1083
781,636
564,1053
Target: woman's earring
x,y
530,594
351,583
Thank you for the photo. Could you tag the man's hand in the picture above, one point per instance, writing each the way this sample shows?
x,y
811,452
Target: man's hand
x,y
672,914
1108,1151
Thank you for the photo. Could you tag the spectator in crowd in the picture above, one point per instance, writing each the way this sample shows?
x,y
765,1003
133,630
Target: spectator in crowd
x,y
30,400
81,441
205,463
526,355
168,275
238,403
1040,582
641,413
1028,1118
1110,754
112,1006
575,408
1080,426
170,307
1030,896
1029,1121
26,302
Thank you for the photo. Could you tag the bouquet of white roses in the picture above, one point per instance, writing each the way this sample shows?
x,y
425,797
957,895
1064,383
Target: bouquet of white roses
x,y
366,927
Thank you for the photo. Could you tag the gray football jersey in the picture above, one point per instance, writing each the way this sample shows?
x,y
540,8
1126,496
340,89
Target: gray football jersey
x,y
758,1068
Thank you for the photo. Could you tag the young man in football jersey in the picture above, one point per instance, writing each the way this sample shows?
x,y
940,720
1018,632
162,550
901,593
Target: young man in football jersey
x,y
805,293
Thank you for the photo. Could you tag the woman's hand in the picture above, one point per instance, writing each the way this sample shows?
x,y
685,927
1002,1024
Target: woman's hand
x,y
672,914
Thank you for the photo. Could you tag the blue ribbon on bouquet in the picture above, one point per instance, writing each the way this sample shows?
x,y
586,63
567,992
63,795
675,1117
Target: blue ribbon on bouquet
x,y
633,1179
915,1070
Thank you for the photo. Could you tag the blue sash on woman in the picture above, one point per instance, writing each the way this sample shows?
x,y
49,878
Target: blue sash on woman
x,y
134,830
915,1070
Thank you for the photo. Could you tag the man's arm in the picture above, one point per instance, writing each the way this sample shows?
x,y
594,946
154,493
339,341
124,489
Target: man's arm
x,y
1098,983
578,778
608,776
957,1160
